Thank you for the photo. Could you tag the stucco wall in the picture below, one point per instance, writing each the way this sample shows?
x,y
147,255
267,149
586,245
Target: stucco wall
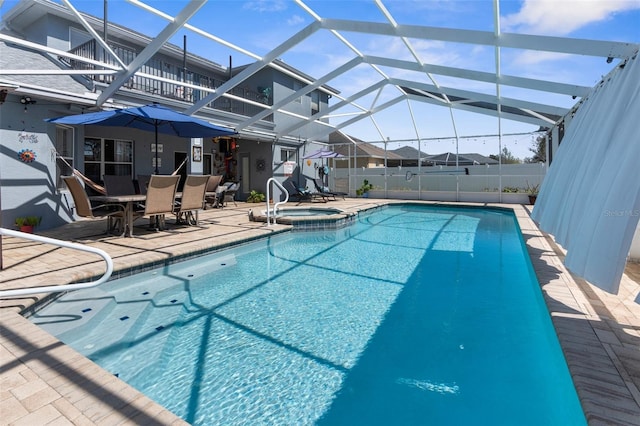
x,y
28,188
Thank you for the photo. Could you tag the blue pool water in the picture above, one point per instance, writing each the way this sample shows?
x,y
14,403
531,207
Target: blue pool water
x,y
413,315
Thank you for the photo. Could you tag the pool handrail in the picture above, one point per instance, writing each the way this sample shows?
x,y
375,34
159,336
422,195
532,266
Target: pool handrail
x,y
63,287
275,206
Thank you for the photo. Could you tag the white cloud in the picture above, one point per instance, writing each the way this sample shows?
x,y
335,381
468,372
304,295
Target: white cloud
x,y
561,17
534,57
295,20
265,5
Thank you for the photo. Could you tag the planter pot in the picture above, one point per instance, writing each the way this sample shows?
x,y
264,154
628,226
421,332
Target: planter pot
x,y
27,229
365,195
532,199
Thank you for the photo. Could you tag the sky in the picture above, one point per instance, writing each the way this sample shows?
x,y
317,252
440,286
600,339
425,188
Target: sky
x,y
258,26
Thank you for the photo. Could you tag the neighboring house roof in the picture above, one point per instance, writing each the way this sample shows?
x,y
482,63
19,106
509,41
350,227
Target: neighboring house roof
x,y
363,149
480,159
410,153
449,159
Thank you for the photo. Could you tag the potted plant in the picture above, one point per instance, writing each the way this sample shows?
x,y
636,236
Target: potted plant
x,y
532,190
27,223
363,191
255,197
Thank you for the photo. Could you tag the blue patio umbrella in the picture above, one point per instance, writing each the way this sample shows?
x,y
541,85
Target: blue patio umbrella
x,y
153,118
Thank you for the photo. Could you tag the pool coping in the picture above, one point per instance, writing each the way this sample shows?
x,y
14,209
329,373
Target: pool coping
x,y
605,388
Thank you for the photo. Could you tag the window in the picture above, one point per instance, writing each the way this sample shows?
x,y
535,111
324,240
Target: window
x,y
297,86
315,102
288,154
107,157
64,149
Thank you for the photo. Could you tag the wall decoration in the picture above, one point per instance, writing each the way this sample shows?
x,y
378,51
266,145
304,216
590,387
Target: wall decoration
x,y
27,155
25,137
197,154
260,164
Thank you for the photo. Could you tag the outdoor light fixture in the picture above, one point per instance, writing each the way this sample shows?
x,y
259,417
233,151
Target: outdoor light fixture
x,y
26,100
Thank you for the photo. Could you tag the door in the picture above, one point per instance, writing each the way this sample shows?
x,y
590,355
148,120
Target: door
x,y
206,165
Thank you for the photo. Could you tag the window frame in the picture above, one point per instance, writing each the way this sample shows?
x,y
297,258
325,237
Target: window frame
x,y
61,168
102,162
291,154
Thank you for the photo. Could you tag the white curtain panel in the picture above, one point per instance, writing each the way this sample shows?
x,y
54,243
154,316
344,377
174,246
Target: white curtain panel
x,y
590,198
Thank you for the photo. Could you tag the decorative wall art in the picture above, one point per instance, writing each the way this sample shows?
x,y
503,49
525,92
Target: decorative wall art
x,y
27,156
197,154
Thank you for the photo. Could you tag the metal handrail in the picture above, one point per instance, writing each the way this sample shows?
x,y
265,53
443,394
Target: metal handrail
x,y
60,243
275,206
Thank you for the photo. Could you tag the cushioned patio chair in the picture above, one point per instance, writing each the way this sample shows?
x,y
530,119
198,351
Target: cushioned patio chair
x,y
113,212
325,190
161,195
192,200
230,193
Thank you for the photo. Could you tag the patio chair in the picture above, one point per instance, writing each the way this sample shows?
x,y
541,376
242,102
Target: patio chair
x,y
325,190
230,193
119,185
113,212
193,199
213,197
161,195
143,183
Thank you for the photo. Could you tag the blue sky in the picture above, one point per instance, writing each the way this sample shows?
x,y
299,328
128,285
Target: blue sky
x,y
258,26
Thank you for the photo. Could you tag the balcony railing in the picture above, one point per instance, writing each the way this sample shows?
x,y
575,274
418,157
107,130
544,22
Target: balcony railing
x,y
164,69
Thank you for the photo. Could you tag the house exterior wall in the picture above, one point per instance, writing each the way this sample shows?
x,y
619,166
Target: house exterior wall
x,y
28,188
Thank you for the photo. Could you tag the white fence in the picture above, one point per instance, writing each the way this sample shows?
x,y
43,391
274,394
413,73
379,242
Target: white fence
x,y
506,183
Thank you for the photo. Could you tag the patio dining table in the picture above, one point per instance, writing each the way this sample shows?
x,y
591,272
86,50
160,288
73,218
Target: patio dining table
x,y
129,202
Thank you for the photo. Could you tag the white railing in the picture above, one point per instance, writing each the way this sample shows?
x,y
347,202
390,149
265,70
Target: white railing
x,y
60,243
275,206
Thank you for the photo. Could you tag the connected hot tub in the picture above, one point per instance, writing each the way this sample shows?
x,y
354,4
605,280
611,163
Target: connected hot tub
x,y
309,218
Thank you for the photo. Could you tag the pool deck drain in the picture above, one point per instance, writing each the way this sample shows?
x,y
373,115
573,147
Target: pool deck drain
x,y
43,381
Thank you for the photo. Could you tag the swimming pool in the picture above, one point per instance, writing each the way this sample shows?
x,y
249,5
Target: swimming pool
x,y
413,315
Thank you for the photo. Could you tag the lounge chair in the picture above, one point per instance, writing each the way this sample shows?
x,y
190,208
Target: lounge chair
x,y
192,200
113,212
302,194
119,185
160,200
325,190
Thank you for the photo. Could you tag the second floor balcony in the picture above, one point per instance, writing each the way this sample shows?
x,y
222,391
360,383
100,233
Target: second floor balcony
x,y
169,70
